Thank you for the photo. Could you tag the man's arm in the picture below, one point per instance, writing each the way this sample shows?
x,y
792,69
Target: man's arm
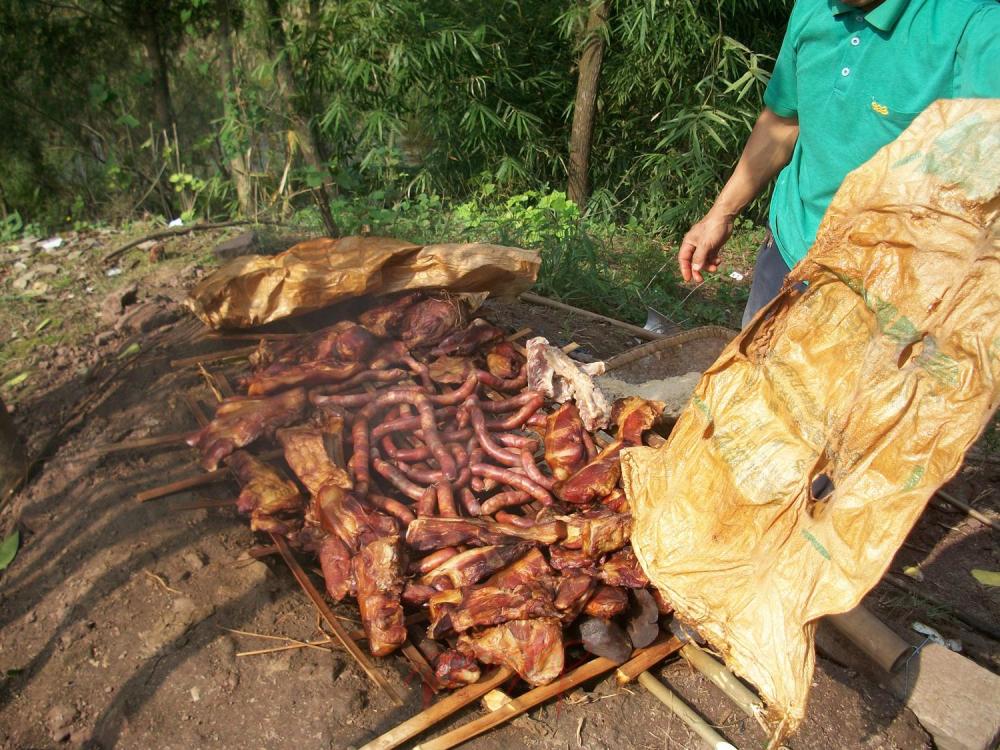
x,y
768,149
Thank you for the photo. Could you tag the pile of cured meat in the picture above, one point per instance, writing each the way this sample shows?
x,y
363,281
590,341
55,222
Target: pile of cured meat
x,y
429,477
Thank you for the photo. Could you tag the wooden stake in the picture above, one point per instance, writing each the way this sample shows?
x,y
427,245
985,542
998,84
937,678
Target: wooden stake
x,y
532,698
440,711
519,334
331,619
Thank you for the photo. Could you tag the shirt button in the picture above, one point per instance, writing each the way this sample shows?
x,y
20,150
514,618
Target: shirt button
x,y
845,72
855,41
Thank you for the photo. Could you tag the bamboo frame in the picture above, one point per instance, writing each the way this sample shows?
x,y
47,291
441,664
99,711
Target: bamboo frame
x,y
523,703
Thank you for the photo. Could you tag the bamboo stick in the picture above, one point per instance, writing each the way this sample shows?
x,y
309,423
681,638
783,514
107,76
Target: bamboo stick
x,y
532,698
646,658
440,711
331,619
199,414
420,664
180,485
725,680
520,334
969,510
171,438
634,330
684,712
199,480
242,351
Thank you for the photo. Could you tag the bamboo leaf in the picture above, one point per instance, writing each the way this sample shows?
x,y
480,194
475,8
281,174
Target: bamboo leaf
x,y
8,549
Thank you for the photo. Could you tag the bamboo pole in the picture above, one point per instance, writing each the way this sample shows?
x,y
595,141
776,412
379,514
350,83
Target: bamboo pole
x,y
532,698
421,666
642,333
172,438
726,681
440,711
199,480
684,712
969,510
646,658
242,351
519,705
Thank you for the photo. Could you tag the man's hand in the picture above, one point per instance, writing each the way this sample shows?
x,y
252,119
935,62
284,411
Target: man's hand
x,y
768,149
701,245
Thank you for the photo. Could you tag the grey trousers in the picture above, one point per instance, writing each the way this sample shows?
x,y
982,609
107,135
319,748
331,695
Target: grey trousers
x,y
769,274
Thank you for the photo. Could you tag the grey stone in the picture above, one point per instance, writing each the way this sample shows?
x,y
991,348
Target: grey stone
x,y
114,304
148,316
247,243
104,337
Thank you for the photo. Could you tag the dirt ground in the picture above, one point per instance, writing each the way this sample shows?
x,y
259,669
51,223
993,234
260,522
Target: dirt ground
x,y
119,619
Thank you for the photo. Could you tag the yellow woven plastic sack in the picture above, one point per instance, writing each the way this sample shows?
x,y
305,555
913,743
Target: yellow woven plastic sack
x,y
880,376
258,289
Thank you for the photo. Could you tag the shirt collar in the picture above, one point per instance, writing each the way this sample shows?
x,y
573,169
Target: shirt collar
x,y
884,17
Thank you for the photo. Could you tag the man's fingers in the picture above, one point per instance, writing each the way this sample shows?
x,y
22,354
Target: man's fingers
x,y
684,258
700,260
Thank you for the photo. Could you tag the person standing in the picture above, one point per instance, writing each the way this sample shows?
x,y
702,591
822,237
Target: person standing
x,y
850,77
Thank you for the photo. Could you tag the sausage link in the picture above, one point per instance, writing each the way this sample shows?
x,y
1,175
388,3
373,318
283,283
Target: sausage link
x,y
514,479
504,500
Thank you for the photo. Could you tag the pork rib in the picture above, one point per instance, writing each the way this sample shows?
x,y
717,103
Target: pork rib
x,y
532,648
265,494
471,566
434,533
622,569
241,420
454,669
378,573
565,451
455,611
462,343
551,371
633,416
306,454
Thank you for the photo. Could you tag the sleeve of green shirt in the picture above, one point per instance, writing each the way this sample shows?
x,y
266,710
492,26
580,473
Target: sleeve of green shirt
x,y
979,55
781,95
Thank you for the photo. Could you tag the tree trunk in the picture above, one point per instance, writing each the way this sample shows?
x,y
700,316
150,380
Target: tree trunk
x,y
581,136
304,134
13,457
238,168
156,57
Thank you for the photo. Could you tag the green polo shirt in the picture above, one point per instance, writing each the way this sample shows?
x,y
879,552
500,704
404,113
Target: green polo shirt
x,y
856,81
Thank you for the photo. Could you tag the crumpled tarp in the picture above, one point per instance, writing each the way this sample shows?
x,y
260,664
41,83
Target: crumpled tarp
x,y
880,376
258,289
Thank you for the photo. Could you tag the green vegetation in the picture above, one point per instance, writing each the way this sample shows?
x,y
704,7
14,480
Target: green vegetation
x,y
428,120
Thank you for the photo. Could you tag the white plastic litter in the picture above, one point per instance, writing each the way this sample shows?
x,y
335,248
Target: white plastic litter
x,y
736,275
52,243
176,223
934,636
113,272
